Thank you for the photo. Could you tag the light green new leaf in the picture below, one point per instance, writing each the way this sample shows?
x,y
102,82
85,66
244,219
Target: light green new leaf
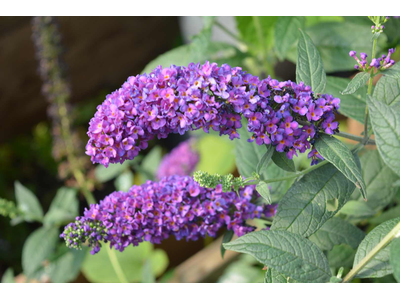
x,y
28,204
341,157
98,268
286,252
379,265
287,33
304,208
379,179
309,68
386,124
264,161
281,160
151,161
124,181
351,105
387,90
263,189
38,248
335,232
356,83
395,258
63,208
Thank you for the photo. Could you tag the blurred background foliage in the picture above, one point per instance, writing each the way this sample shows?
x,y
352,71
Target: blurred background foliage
x,y
42,198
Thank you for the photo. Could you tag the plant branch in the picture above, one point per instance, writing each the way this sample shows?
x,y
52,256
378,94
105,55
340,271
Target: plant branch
x,y
116,265
382,244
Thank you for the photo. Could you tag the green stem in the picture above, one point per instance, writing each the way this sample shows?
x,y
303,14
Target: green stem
x,y
297,174
371,76
117,267
260,35
382,244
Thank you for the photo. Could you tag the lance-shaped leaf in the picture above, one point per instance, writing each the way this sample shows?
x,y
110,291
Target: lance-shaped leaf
x,y
341,157
379,265
379,179
386,124
387,90
281,160
263,189
357,82
304,208
228,235
309,69
264,161
335,232
351,105
286,252
28,203
286,33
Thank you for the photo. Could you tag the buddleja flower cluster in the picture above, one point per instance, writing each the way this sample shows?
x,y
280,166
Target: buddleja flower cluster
x,y
179,99
381,63
182,160
175,206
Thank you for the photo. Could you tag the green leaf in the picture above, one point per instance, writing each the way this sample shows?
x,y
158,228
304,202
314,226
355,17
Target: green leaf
x,y
28,204
247,157
335,232
351,105
356,83
263,189
287,33
386,124
309,69
220,159
248,31
341,256
387,90
151,161
379,179
124,181
395,258
228,235
63,208
357,209
264,161
375,36
303,209
273,276
104,174
379,265
281,160
286,252
393,72
341,157
66,265
98,268
38,248
8,276
334,40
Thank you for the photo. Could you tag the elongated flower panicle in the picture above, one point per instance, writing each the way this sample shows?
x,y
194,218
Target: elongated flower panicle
x,y
182,160
178,99
382,63
177,205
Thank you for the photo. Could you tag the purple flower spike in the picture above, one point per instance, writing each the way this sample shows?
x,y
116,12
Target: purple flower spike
x,y
175,206
180,99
